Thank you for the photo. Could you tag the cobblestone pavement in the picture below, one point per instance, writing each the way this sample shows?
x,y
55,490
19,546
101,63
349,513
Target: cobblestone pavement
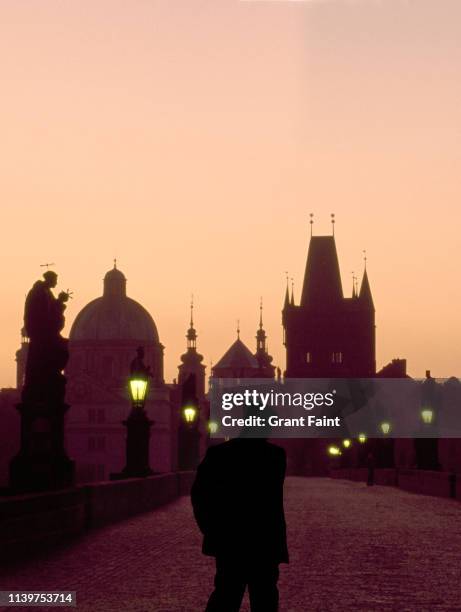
x,y
352,548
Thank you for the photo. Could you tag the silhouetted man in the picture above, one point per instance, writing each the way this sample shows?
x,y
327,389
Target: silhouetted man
x,y
237,498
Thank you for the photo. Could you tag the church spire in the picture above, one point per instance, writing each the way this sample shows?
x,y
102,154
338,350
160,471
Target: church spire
x,y
292,300
261,334
354,285
287,293
266,369
191,360
191,333
365,291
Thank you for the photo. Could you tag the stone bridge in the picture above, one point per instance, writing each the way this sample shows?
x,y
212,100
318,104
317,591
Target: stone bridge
x,y
352,548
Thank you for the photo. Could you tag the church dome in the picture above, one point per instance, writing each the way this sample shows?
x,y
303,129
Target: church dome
x,y
114,316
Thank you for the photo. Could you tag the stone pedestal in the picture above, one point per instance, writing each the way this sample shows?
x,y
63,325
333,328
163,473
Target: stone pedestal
x,y
42,463
137,446
188,447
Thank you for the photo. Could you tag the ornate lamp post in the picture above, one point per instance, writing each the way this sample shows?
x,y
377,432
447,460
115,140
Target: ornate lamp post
x,y
137,424
427,415
385,427
212,427
363,449
190,414
188,432
426,446
385,446
334,453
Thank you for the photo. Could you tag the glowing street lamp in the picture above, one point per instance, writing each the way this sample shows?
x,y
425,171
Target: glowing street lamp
x,y
137,424
385,427
427,415
212,427
362,438
190,414
334,451
346,443
138,391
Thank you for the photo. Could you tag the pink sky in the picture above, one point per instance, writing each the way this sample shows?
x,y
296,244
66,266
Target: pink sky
x,y
191,139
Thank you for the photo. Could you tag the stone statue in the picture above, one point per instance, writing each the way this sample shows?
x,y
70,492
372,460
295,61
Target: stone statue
x,y
42,463
48,351
138,367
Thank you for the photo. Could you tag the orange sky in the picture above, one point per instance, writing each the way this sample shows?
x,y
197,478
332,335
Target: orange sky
x,y
192,138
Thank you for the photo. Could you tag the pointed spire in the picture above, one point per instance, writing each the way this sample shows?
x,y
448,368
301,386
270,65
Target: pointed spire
x,y
287,293
354,285
365,291
261,334
311,222
262,348
292,301
191,333
238,329
115,263
322,278
332,223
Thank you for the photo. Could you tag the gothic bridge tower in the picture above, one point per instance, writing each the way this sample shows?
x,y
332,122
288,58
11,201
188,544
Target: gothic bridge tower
x,y
327,334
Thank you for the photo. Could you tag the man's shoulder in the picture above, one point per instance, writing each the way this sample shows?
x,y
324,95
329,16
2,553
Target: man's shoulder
x,y
217,450
236,445
276,451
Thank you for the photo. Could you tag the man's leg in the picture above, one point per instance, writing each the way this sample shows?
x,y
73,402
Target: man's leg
x,y
262,587
230,584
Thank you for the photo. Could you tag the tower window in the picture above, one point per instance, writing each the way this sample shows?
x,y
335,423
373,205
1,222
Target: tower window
x,y
337,357
308,357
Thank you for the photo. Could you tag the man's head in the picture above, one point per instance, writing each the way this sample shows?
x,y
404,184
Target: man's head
x,y
51,278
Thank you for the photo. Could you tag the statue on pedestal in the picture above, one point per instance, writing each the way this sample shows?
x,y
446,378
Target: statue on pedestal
x,y
42,462
48,352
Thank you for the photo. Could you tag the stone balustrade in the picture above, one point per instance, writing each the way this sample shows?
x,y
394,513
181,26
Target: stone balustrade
x,y
33,521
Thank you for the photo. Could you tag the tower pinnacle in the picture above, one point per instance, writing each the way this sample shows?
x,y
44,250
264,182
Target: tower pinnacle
x,y
191,333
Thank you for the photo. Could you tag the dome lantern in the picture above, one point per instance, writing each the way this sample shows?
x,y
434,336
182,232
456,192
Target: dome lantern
x,y
114,316
114,283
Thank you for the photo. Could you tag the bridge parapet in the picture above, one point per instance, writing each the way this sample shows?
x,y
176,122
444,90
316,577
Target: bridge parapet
x,y
35,521
426,482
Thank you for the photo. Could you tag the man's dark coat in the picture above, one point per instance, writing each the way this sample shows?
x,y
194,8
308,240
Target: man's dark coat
x,y
237,499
